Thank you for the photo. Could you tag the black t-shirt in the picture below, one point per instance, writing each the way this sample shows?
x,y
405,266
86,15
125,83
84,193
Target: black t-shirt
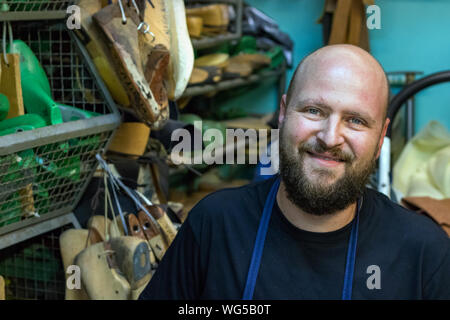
x,y
400,254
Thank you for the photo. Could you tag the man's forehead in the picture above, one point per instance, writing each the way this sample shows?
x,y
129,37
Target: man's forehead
x,y
343,66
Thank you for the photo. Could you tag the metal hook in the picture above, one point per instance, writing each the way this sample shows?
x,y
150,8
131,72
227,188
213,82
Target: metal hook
x,y
147,30
143,24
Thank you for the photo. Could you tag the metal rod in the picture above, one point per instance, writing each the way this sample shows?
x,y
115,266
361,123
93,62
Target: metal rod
x,y
124,17
409,119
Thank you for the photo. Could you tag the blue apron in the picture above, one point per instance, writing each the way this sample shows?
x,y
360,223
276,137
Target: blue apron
x,y
259,246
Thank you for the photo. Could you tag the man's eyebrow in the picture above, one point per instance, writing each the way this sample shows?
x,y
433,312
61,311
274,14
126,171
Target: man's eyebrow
x,y
311,102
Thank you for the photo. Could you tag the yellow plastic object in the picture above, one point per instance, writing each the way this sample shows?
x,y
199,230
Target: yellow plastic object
x,y
423,168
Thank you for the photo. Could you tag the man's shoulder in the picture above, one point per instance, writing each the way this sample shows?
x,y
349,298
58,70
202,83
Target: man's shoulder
x,y
405,222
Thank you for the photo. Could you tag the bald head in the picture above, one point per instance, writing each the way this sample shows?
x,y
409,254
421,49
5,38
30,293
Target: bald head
x,y
345,65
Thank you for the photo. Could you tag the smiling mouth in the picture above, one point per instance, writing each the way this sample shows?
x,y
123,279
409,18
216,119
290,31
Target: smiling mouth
x,y
324,157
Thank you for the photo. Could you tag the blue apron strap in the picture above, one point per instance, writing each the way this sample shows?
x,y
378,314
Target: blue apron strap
x,y
259,242
351,257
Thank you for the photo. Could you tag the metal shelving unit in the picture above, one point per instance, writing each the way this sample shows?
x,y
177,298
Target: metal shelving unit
x,y
23,10
54,163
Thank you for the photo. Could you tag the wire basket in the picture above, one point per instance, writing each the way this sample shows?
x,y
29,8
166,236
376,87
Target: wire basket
x,y
33,269
44,172
34,9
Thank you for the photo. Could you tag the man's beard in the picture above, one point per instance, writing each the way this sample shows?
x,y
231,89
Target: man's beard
x,y
314,197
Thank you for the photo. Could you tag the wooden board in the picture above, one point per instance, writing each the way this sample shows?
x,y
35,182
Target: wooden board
x,y
10,85
356,19
340,22
364,35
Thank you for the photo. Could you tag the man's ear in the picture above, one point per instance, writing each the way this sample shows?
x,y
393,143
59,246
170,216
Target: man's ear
x,y
383,134
282,110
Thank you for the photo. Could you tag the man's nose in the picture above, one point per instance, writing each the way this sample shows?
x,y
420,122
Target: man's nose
x,y
331,133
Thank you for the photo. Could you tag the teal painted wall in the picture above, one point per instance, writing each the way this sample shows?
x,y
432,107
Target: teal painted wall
x,y
414,35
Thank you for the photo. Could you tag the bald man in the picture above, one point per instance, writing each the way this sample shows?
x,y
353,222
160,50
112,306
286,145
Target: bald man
x,y
314,231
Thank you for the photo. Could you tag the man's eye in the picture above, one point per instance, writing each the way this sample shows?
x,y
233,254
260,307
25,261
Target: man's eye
x,y
313,111
356,121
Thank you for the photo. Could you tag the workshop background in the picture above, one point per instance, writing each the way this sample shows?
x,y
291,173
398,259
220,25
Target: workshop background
x,y
90,198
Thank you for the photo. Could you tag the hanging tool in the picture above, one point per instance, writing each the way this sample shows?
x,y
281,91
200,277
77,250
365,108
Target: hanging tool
x,y
155,214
